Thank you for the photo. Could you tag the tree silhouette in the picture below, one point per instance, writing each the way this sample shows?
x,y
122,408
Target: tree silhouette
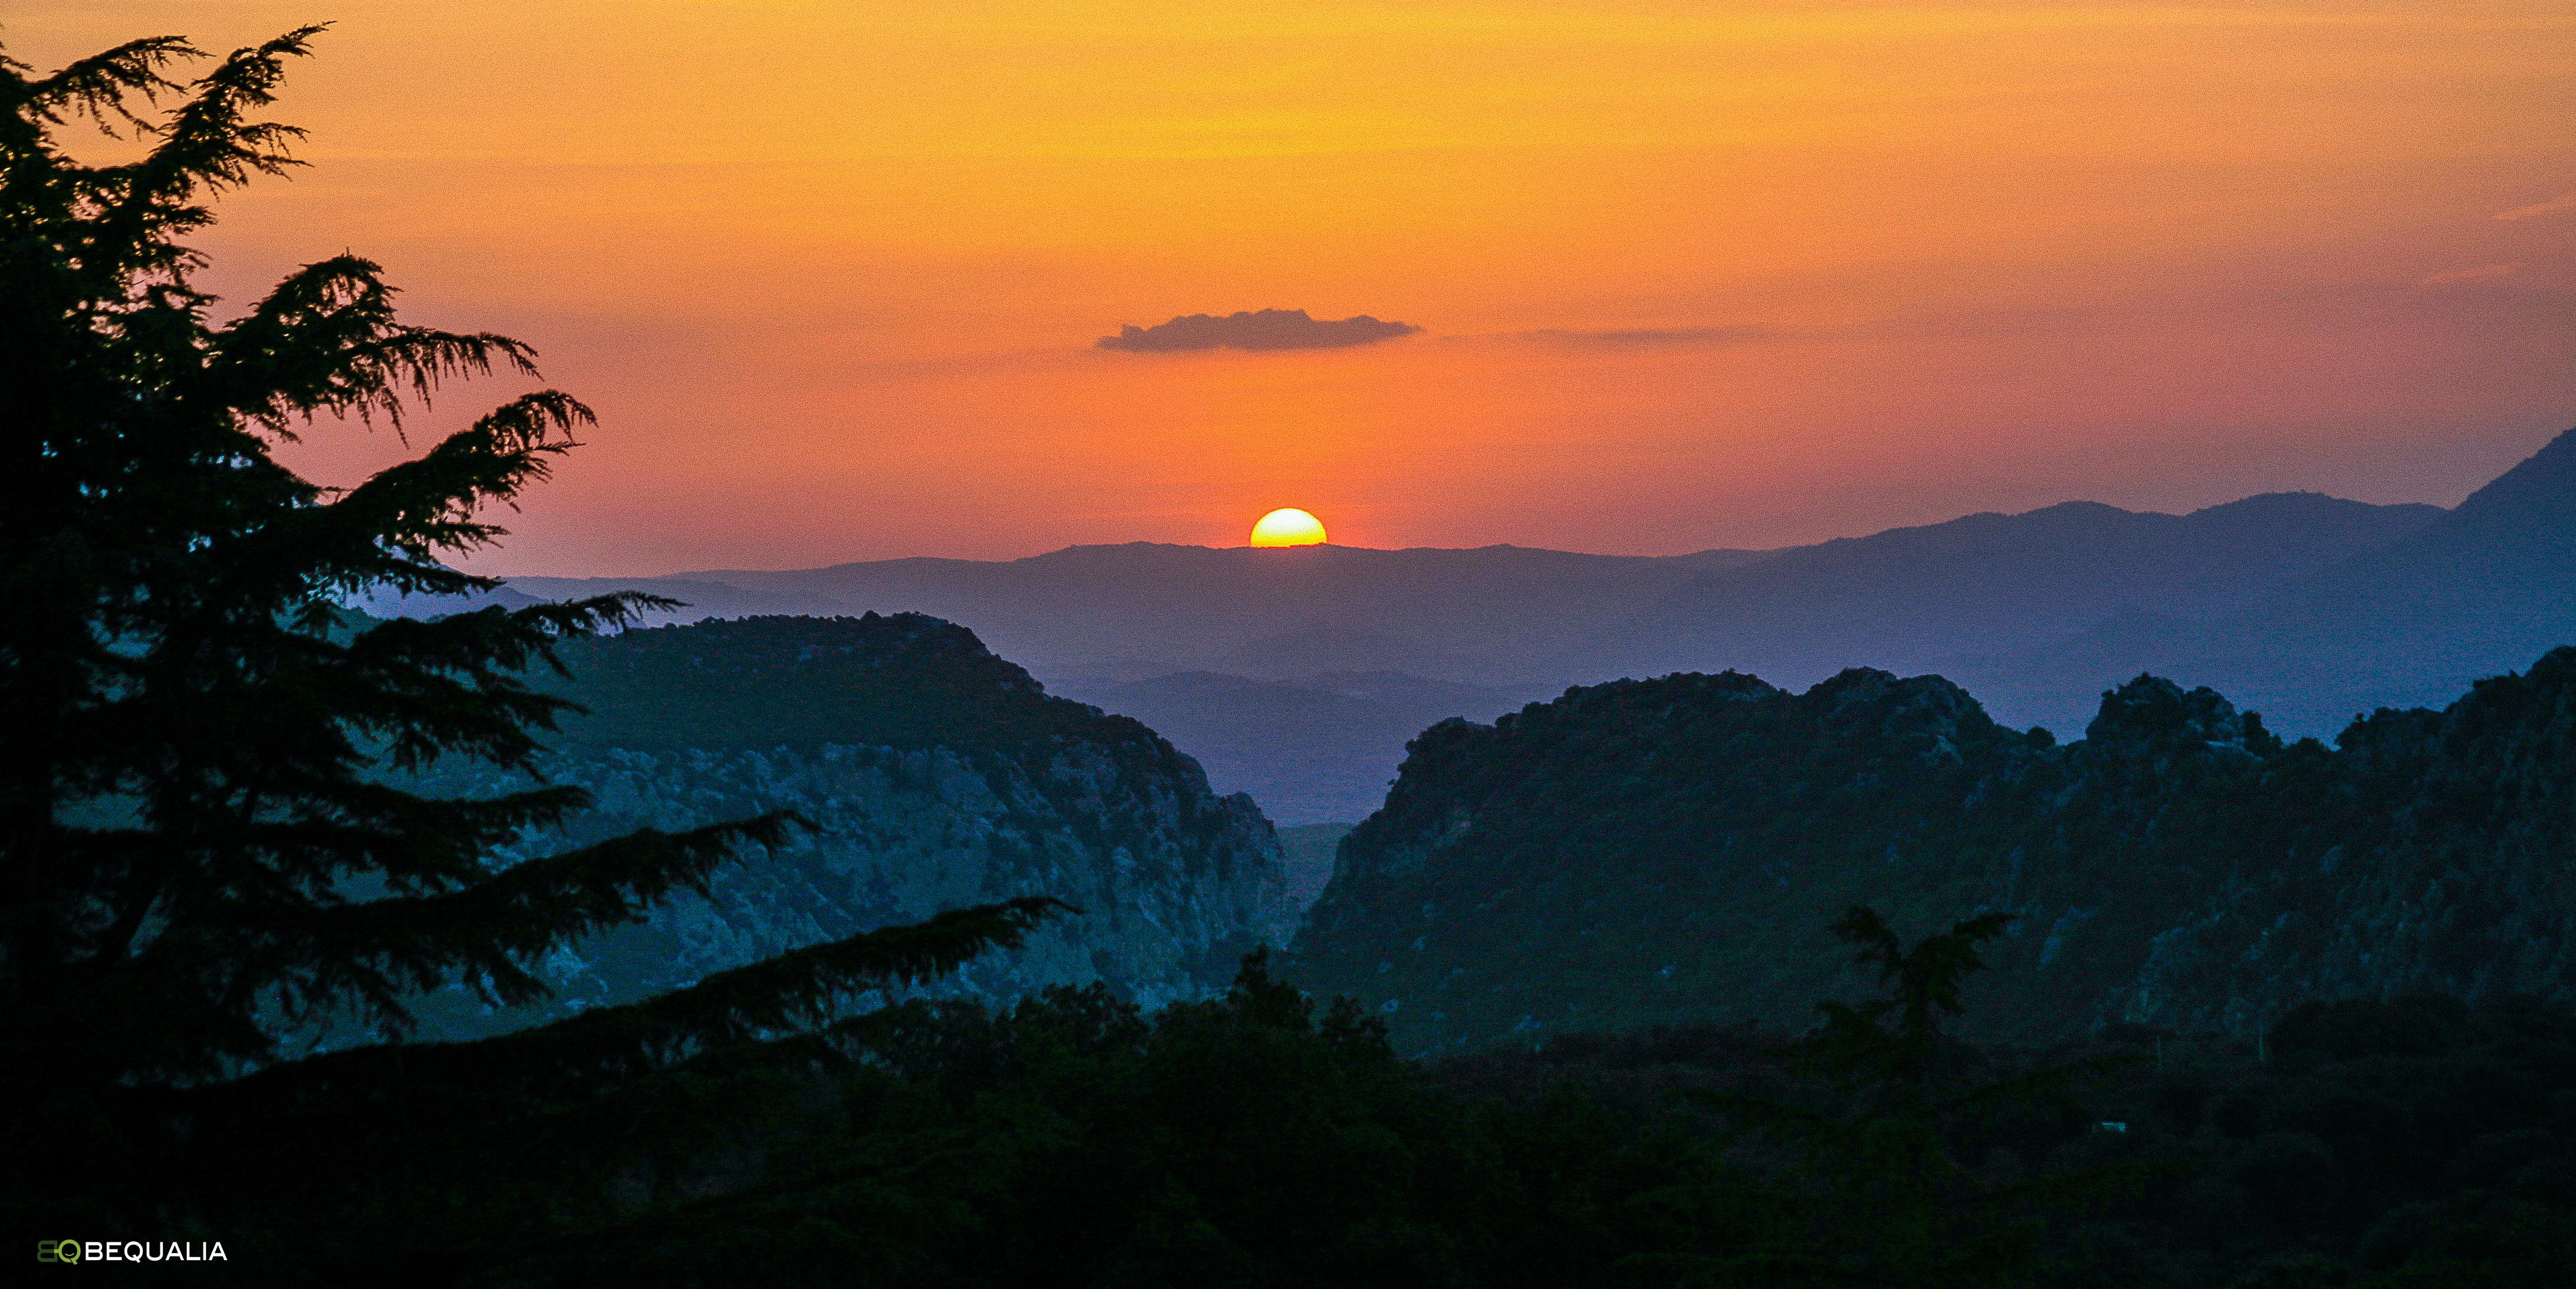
x,y
1863,1187
1923,988
209,829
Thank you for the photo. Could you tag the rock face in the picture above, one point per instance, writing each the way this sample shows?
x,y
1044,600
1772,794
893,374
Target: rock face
x,y
1672,850
937,774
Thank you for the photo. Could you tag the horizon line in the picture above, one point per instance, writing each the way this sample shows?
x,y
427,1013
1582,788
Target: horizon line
x,y
1399,550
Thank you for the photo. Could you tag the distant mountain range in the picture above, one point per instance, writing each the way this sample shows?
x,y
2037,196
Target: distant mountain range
x,y
2403,622
1493,615
1922,599
1294,673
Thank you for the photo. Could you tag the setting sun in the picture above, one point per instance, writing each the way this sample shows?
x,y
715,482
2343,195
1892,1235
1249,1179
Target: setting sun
x,y
1288,527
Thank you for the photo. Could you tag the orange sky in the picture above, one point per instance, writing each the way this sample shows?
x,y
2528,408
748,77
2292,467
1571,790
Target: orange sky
x,y
830,271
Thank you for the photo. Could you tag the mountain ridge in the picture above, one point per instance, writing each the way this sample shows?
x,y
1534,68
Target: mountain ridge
x,y
1670,850
936,774
2470,593
2038,611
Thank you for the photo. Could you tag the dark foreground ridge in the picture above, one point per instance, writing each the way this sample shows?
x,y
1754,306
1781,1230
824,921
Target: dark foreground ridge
x,y
1652,852
1257,1139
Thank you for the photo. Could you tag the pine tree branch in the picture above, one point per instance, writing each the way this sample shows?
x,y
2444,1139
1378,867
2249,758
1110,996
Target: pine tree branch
x,y
98,86
804,987
415,845
207,142
606,1047
494,640
325,340
378,949
455,685
425,506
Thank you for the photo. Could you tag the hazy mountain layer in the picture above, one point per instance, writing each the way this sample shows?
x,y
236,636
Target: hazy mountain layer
x,y
1517,618
2473,591
2311,608
1313,752
1146,609
939,775
1670,850
1919,598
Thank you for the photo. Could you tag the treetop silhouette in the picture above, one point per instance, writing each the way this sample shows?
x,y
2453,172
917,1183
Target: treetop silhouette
x,y
209,831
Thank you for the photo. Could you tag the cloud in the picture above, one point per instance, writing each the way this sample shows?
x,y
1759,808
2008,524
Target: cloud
x,y
1267,329
1659,336
2481,273
2553,206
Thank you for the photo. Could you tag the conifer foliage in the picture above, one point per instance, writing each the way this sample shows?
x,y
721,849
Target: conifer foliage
x,y
205,826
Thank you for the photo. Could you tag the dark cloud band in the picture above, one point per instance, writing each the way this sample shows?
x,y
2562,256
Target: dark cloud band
x,y
1265,329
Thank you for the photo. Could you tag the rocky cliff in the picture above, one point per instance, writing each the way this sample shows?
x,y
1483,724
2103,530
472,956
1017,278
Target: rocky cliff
x,y
936,774
1672,850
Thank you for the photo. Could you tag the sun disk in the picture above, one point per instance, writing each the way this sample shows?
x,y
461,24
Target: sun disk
x,y
1288,527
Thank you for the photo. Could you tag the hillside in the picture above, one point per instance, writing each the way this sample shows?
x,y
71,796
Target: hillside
x,y
1663,851
938,775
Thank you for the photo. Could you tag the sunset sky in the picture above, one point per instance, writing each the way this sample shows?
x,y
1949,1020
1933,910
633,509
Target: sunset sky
x,y
1688,276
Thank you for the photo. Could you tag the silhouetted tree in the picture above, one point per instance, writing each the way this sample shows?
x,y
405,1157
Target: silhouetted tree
x,y
1868,1190
1858,1042
208,835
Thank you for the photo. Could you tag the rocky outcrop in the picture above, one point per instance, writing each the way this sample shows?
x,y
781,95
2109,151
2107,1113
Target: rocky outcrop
x,y
1672,850
936,774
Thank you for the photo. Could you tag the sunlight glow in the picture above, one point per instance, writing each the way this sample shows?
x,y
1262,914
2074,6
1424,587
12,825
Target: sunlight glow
x,y
1288,527
1689,275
